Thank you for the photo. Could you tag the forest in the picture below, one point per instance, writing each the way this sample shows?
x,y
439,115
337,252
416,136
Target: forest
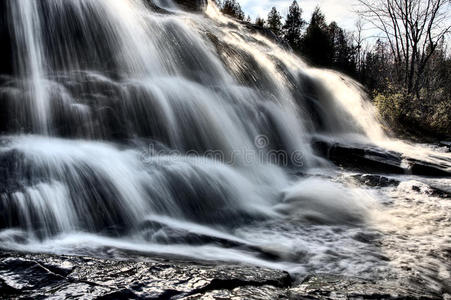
x,y
405,68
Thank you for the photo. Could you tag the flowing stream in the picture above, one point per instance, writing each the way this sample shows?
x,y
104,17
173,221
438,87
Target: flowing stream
x,y
134,125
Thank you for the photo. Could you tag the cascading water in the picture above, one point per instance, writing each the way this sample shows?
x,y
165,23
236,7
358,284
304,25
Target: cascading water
x,y
137,125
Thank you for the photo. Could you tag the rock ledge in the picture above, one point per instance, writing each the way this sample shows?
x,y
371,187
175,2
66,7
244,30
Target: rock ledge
x,y
41,276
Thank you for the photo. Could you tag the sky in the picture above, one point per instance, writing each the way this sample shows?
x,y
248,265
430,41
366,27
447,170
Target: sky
x,y
341,11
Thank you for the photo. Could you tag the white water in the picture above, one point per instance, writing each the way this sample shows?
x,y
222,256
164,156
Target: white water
x,y
162,133
32,65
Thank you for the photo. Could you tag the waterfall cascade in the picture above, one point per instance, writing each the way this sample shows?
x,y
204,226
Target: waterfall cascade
x,y
132,122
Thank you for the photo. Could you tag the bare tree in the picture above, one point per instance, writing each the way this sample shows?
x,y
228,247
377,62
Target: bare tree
x,y
359,40
413,29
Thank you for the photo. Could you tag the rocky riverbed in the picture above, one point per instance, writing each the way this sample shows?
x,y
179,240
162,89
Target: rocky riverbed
x,y
38,276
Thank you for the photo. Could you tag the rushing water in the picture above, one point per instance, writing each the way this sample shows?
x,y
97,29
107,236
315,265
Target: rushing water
x,y
177,133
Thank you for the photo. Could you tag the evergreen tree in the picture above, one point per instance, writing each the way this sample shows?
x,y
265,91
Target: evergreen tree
x,y
239,13
293,26
228,7
376,69
260,22
275,22
343,51
232,8
316,43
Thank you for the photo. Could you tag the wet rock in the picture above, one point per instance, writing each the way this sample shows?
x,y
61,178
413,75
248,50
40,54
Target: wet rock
x,y
41,276
249,292
10,171
339,287
192,5
34,275
417,167
446,144
436,192
431,190
372,159
247,70
366,159
376,180
19,275
163,234
156,8
160,233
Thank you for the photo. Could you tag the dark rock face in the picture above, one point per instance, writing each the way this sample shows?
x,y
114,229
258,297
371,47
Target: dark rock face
x,y
6,50
362,159
41,276
192,5
372,159
426,169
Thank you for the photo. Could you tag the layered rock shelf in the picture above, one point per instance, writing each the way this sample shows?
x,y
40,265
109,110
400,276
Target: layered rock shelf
x,y
37,276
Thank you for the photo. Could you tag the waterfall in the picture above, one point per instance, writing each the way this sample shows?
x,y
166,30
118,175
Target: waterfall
x,y
138,123
31,60
104,93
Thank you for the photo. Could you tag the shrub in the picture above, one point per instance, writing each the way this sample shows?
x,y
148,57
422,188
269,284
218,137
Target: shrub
x,y
415,116
390,107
